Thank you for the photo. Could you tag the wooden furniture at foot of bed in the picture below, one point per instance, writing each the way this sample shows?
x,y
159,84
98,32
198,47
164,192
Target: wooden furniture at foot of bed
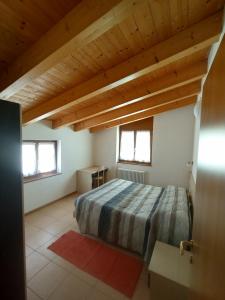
x,y
90,178
169,273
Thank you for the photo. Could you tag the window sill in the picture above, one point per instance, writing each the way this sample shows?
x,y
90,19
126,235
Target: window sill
x,y
134,163
40,176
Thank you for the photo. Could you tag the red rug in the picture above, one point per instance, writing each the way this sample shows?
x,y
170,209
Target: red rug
x,y
117,269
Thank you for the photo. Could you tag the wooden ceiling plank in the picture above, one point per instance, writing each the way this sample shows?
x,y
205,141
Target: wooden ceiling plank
x,y
146,114
131,30
115,41
144,21
83,24
183,44
161,17
154,87
16,19
158,100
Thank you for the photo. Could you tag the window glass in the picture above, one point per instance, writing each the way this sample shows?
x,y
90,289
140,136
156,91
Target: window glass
x,y
135,142
46,157
29,159
142,150
127,145
40,158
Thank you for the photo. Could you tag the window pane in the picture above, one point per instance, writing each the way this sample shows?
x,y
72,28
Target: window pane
x,y
29,159
46,157
127,145
142,151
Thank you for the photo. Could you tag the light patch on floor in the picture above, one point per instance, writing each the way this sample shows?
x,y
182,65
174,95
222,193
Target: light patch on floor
x,y
50,277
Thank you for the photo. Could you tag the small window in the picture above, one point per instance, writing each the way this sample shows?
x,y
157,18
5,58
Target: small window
x,y
40,159
136,142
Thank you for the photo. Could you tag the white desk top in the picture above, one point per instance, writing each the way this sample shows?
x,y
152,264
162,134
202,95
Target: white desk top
x,y
93,169
167,262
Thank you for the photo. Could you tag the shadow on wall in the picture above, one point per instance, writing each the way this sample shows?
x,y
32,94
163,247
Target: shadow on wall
x,y
112,173
70,182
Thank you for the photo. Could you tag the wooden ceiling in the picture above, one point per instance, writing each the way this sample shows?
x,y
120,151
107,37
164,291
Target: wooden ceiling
x,y
23,22
102,63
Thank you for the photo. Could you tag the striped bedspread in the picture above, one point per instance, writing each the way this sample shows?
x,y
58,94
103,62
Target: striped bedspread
x,y
133,215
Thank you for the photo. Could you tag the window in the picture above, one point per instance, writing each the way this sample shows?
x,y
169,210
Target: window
x,y
40,159
136,142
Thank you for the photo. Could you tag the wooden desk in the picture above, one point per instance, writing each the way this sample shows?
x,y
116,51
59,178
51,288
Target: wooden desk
x,y
90,178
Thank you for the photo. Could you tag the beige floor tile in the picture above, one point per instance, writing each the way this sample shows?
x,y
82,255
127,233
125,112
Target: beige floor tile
x,y
30,230
72,288
43,250
34,263
108,290
55,212
46,281
43,221
68,217
38,238
63,204
85,276
142,291
28,250
98,295
75,223
64,264
76,271
47,210
43,209
69,205
69,228
31,295
57,227
56,206
33,216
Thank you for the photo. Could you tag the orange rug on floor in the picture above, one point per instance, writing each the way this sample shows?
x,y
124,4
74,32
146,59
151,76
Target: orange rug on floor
x,y
114,267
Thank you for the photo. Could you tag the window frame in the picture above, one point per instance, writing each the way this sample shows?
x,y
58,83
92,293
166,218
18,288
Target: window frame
x,y
137,126
40,175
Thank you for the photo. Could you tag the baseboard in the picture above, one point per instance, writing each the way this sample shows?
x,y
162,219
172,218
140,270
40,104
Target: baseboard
x,y
49,203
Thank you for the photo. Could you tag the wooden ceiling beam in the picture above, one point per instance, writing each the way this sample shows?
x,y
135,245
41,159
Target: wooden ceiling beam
x,y
154,87
158,100
83,24
183,44
146,114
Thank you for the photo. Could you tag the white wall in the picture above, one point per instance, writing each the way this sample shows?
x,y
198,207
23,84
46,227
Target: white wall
x,y
172,148
105,150
196,141
76,148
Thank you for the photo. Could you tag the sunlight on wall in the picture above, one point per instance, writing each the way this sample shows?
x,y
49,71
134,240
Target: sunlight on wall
x,y
212,149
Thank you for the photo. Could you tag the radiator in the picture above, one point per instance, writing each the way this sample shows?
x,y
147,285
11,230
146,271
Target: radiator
x,y
131,175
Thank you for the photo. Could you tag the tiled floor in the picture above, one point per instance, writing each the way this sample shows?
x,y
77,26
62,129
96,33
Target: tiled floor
x,y
50,276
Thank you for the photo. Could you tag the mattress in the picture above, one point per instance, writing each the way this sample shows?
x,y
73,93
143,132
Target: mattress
x,y
134,216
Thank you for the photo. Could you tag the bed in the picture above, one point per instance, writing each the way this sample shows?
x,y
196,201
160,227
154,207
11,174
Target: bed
x,y
134,216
